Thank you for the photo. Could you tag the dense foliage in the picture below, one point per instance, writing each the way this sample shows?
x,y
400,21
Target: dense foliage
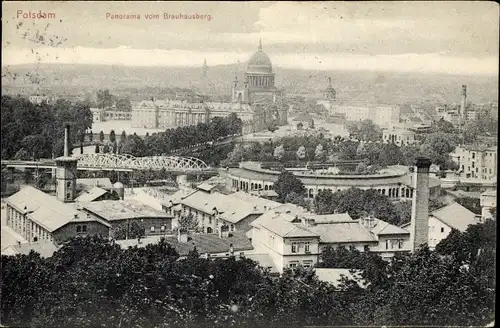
x,y
181,137
287,184
30,130
92,282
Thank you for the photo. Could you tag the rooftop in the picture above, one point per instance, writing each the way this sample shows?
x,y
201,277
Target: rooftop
x,y
384,228
112,210
281,224
342,232
44,209
455,216
44,248
91,195
205,243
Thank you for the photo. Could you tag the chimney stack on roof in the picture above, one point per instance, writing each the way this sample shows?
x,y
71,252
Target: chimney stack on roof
x,y
419,229
66,140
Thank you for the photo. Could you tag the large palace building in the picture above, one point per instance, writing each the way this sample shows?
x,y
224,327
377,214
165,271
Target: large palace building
x,y
258,103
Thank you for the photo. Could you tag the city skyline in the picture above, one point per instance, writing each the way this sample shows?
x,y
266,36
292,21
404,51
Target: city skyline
x,y
438,37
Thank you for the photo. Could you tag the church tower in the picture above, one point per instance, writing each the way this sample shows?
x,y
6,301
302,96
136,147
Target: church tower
x,y
330,93
66,172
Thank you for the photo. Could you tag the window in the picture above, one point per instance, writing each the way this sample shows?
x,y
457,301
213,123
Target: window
x,y
477,170
400,243
307,246
293,264
295,247
152,228
473,155
210,220
84,228
473,165
307,263
78,228
232,227
442,229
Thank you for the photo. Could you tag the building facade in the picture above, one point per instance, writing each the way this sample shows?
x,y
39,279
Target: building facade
x,y
398,136
476,161
258,103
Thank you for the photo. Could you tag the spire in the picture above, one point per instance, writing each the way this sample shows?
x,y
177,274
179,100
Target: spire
x,y
260,44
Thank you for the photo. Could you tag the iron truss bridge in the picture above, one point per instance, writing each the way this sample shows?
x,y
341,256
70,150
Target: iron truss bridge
x,y
124,162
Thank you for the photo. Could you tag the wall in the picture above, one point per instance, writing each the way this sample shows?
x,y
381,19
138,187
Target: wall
x,y
70,230
437,231
244,225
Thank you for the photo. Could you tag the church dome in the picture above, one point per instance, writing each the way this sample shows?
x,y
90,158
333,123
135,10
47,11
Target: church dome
x,y
259,62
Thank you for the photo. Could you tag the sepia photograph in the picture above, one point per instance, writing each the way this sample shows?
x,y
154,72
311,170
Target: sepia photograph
x,y
253,164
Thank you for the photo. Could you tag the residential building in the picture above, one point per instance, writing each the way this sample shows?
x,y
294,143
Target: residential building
x,y
213,210
443,220
292,240
39,99
476,161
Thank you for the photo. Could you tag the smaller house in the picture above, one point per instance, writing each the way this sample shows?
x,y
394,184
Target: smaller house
x,y
44,248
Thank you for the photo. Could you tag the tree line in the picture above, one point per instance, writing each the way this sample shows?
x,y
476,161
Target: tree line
x,y
37,131
93,282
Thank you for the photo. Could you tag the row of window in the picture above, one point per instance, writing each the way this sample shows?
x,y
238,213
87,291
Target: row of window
x,y
394,243
304,264
298,246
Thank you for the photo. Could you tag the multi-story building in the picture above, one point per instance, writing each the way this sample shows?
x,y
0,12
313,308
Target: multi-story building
x,y
257,104
476,161
293,240
39,99
382,115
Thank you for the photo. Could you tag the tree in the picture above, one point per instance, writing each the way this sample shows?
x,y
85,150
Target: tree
x,y
348,150
104,99
287,183
97,149
279,152
91,136
301,153
319,153
472,204
300,126
134,145
356,202
311,124
123,104
101,136
129,230
81,148
123,136
297,199
437,147
188,223
112,136
105,149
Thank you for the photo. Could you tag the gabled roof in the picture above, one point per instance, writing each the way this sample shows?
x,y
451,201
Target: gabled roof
x,y
205,187
111,210
281,225
342,232
91,195
328,218
455,216
384,228
44,209
44,248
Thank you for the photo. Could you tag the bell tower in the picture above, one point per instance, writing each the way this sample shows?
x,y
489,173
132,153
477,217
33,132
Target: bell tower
x,y
66,172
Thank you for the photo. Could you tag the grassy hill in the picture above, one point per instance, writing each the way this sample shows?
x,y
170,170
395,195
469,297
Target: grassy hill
x,y
140,82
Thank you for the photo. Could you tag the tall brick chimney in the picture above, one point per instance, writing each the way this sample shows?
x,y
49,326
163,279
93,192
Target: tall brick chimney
x,y
463,103
419,228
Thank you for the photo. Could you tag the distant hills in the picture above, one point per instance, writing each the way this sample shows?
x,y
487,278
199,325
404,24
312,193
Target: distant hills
x,y
141,82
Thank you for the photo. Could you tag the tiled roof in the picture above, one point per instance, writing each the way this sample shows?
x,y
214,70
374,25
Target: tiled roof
x,y
327,218
281,225
91,195
342,232
205,243
385,228
111,210
205,186
44,248
455,216
44,209
256,200
177,197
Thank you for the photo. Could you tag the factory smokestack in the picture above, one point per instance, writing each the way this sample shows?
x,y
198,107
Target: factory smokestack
x,y
463,103
419,228
66,140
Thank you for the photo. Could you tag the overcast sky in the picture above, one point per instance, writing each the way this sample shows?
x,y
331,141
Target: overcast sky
x,y
450,37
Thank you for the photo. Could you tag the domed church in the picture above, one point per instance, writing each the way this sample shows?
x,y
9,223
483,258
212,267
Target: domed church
x,y
258,86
